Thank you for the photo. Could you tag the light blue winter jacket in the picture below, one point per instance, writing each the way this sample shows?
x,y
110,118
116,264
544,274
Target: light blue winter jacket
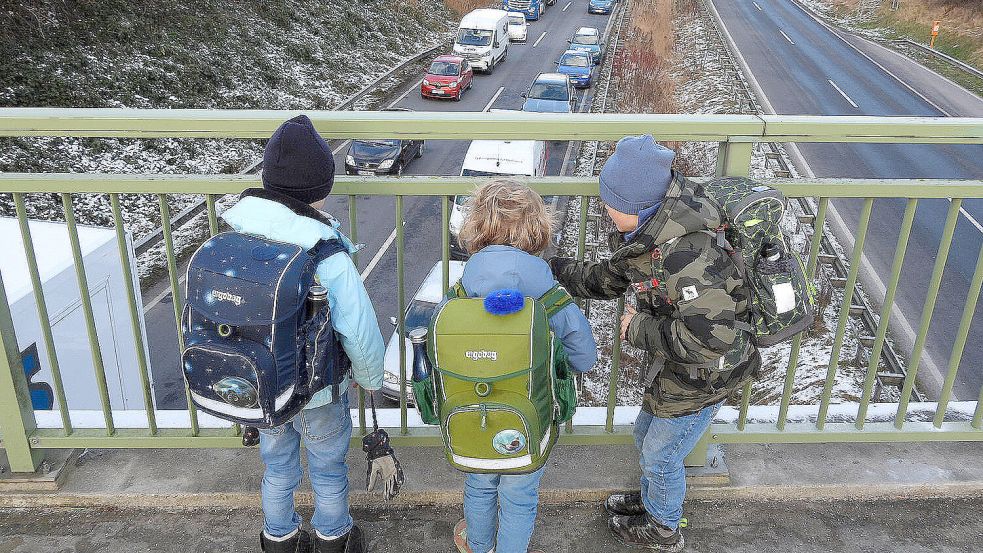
x,y
352,314
497,267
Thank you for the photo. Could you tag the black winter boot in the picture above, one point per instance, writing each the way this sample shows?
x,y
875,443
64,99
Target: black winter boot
x,y
629,503
644,531
352,542
298,543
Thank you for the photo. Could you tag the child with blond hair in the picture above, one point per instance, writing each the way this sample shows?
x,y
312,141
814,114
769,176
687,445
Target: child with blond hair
x,y
506,227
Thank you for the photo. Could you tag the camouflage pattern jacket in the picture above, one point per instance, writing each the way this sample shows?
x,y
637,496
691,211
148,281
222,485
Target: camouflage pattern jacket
x,y
690,298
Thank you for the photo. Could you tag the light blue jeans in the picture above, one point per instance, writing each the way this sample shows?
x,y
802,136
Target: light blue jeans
x,y
510,500
326,432
662,445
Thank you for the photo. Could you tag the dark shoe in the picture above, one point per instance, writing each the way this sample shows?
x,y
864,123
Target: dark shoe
x,y
299,543
644,531
352,542
629,503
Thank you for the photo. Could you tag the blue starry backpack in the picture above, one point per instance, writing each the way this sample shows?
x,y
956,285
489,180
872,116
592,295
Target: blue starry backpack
x,y
254,352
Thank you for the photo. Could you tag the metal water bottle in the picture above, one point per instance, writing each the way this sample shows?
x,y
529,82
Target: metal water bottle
x,y
771,252
421,362
317,298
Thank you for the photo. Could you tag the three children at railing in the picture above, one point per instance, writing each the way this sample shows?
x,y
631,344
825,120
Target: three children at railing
x,y
687,318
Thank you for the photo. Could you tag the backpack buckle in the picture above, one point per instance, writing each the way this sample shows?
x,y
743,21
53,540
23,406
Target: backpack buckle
x,y
657,253
645,285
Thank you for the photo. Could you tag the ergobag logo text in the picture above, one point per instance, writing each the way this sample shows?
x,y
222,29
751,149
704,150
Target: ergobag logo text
x,y
258,362
476,355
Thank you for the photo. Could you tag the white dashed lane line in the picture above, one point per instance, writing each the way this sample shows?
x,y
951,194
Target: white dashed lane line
x,y
757,6
495,97
540,39
840,90
567,6
790,41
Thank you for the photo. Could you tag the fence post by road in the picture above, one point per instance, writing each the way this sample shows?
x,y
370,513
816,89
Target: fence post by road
x,y
16,412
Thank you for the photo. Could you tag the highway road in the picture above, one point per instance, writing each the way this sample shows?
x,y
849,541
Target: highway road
x,y
800,66
547,39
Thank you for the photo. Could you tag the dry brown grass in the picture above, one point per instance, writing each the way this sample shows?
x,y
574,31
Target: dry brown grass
x,y
962,23
461,7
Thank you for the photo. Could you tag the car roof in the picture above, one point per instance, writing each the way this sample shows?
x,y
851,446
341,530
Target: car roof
x,y
518,14
449,57
551,77
576,53
432,288
588,31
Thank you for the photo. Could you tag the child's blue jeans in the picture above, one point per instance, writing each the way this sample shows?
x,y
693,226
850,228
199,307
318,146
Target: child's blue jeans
x,y
662,445
326,431
500,510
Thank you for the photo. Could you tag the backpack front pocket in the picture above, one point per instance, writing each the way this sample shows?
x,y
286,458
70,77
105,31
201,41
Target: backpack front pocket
x,y
246,370
488,437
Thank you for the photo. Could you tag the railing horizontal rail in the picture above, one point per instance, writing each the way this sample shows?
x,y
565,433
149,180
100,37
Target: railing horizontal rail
x,y
136,123
105,183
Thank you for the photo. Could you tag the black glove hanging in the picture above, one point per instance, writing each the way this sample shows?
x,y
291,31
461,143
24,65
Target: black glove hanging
x,y
381,462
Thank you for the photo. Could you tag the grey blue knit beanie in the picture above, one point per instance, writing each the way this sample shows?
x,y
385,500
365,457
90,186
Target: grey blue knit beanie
x,y
637,175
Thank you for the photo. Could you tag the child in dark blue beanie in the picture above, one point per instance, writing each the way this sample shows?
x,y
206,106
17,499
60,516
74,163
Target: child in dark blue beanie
x,y
298,172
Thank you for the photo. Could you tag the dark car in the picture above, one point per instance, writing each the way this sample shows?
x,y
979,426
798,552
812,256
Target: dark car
x,y
447,77
386,156
550,93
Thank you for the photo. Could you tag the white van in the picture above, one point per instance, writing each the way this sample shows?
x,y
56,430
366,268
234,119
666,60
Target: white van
x,y
496,158
110,307
483,38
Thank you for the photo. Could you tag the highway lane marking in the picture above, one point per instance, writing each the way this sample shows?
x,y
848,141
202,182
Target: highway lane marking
x,y
567,6
495,97
840,90
378,256
540,39
787,38
969,217
757,6
872,277
160,297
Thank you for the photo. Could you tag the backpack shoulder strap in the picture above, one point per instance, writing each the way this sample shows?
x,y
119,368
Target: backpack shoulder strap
x,y
327,248
555,299
456,291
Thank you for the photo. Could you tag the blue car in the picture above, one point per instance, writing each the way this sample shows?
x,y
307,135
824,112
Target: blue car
x,y
588,39
600,6
550,93
578,66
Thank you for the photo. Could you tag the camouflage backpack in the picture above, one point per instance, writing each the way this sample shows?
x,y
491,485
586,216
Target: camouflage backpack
x,y
501,382
781,300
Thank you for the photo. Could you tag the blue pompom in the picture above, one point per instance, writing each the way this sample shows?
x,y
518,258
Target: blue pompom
x,y
504,302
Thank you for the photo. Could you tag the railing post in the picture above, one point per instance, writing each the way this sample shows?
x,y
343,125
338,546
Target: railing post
x,y
734,159
16,412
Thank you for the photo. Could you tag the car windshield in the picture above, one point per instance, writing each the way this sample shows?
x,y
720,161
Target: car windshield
x,y
575,60
461,200
549,90
443,68
517,19
589,40
419,313
382,143
474,37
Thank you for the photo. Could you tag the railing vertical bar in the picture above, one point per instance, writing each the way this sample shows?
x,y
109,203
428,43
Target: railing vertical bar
x,y
745,406
131,298
961,335
445,242
212,214
401,318
615,366
165,215
928,307
978,414
582,244
886,309
793,358
43,317
90,322
353,235
844,315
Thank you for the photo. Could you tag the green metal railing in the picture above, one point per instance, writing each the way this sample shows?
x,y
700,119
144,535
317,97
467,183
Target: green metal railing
x,y
736,135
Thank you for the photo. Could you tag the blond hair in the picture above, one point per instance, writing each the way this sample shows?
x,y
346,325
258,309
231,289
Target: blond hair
x,y
509,213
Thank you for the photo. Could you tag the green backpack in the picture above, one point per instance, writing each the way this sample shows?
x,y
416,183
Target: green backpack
x,y
500,384
781,298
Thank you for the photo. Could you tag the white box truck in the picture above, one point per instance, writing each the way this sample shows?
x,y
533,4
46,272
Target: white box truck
x,y
107,290
496,158
483,38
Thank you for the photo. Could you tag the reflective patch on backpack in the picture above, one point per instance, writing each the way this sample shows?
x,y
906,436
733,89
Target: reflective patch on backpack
x,y
784,297
509,442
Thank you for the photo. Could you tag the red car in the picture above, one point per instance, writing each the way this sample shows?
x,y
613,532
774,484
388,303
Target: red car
x,y
447,77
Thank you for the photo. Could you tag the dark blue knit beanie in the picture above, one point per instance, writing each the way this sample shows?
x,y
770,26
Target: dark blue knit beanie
x,y
298,162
